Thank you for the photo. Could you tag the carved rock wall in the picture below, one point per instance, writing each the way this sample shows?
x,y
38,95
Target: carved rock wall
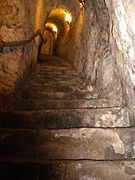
x,y
122,40
17,23
89,50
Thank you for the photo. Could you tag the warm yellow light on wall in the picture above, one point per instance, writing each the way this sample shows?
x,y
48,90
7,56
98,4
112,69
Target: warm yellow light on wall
x,y
54,28
68,18
81,5
51,26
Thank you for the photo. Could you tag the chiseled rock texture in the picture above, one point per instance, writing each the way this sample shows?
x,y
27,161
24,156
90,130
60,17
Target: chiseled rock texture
x,y
91,52
103,48
122,40
16,24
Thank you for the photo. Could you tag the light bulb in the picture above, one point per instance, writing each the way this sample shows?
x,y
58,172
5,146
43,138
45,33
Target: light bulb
x,y
68,18
54,28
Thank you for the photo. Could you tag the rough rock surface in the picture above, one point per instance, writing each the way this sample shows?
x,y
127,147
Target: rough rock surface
x,y
41,138
55,97
68,170
91,52
122,40
17,23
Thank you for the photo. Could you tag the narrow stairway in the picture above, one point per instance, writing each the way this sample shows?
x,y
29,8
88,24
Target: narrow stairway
x,y
61,129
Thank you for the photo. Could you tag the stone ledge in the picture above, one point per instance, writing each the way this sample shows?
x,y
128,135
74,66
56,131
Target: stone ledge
x,y
46,104
72,144
87,170
68,170
66,118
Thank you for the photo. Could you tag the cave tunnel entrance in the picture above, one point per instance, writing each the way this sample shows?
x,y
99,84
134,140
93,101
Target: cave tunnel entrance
x,y
56,30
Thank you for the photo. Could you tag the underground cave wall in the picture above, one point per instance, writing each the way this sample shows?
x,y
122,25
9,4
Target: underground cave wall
x,y
17,23
122,40
89,51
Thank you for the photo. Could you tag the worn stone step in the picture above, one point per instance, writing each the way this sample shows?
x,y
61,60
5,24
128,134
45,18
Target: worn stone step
x,y
51,66
69,170
67,118
50,71
36,93
67,81
58,92
55,86
55,75
39,104
54,79
42,66
53,60
21,145
57,82
87,170
55,68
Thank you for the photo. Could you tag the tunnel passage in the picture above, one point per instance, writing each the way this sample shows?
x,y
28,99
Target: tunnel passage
x,y
81,38
57,27
72,118
47,46
85,43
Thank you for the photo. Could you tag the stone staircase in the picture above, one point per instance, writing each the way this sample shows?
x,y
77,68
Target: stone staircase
x,y
61,129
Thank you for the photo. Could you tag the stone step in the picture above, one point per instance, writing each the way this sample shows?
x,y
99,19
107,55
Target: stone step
x,y
67,118
54,75
51,70
52,66
57,92
53,61
42,67
60,81
56,78
35,93
31,146
88,170
45,104
63,87
69,170
56,65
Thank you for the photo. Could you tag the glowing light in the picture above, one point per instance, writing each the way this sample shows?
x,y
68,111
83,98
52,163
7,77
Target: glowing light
x,y
81,5
68,18
54,28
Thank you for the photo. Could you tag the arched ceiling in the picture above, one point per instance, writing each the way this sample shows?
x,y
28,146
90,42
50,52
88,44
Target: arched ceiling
x,y
71,6
58,17
51,10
